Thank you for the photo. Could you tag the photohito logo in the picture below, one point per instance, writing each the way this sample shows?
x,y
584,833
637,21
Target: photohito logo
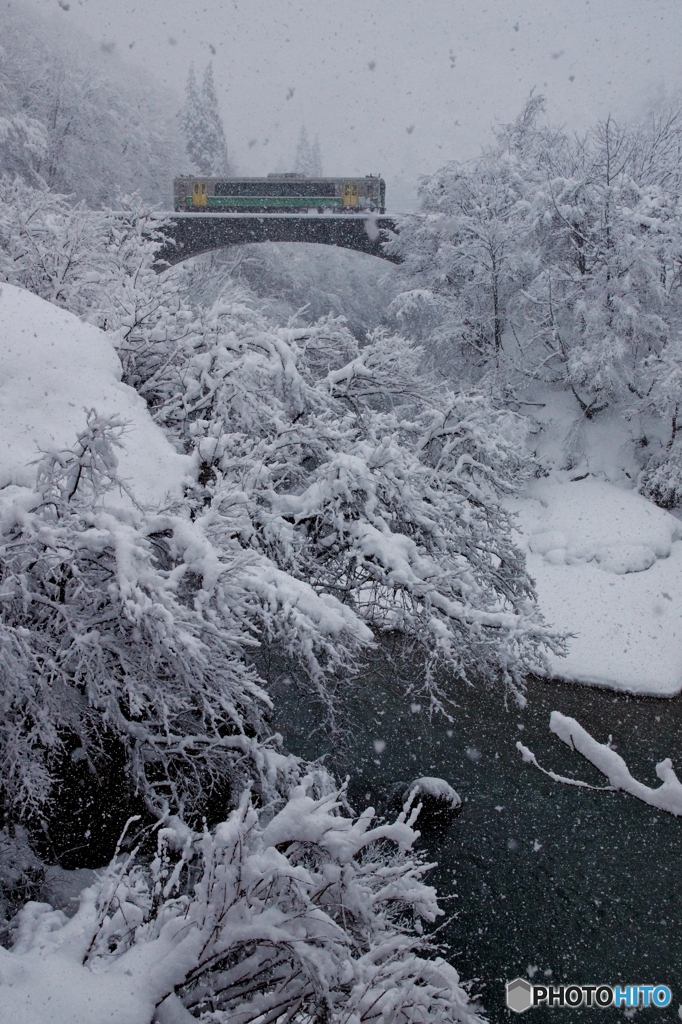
x,y
521,995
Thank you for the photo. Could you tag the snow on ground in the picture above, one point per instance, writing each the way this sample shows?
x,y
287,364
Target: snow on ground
x,y
53,989
608,568
607,562
53,368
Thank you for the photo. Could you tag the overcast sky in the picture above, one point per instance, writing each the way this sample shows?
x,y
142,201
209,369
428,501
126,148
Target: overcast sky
x,y
393,86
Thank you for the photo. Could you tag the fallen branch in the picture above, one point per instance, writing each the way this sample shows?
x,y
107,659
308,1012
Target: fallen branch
x,y
666,797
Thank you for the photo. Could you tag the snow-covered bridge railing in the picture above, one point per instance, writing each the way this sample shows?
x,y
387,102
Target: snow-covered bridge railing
x,y
191,234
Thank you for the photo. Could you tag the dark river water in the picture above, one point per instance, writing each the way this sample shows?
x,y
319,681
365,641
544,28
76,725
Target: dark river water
x,y
537,878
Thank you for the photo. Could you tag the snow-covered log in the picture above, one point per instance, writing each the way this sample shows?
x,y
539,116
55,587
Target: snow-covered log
x,y
666,797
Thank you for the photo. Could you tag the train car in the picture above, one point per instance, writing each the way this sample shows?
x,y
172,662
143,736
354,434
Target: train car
x,y
280,193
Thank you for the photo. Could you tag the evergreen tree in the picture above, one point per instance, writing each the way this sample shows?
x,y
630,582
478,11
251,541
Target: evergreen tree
x,y
316,158
308,156
203,126
215,145
191,117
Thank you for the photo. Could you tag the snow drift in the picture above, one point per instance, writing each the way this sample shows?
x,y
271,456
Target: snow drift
x,y
608,569
53,369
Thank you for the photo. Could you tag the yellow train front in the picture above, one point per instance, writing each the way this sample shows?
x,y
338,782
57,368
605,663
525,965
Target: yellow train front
x,y
280,193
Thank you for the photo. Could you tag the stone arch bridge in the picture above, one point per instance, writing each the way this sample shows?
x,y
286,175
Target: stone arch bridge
x,y
190,234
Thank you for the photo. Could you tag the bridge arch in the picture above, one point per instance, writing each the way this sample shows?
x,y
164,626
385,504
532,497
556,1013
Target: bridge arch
x,y
191,234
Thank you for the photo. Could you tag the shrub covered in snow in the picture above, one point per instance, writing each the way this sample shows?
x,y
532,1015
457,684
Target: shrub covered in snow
x,y
292,913
107,634
354,474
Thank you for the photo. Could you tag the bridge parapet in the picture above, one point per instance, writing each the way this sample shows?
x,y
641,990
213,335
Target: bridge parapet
x,y
191,234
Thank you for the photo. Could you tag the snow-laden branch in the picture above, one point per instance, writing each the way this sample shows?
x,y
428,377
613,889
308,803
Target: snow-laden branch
x,y
666,797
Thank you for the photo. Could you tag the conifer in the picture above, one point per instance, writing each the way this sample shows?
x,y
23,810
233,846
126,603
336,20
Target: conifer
x,y
203,126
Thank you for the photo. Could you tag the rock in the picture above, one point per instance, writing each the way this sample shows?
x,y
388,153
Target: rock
x,y
440,803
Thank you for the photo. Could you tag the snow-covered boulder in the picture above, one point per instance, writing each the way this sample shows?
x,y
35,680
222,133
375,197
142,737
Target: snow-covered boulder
x,y
440,803
53,368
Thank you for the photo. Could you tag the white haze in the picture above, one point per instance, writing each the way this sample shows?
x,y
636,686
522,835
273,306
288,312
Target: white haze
x,y
395,87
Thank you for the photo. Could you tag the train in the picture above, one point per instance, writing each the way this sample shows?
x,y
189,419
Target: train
x,y
280,193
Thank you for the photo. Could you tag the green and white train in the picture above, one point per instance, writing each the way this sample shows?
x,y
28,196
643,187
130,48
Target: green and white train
x,y
280,193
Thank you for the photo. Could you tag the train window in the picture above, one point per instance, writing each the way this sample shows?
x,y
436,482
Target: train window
x,y
275,187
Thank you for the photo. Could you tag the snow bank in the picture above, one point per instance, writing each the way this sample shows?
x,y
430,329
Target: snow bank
x,y
608,568
576,521
52,989
53,368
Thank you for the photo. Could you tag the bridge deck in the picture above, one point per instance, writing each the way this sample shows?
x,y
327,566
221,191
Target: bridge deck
x,y
191,234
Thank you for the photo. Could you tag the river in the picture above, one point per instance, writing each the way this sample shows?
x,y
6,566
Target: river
x,y
537,878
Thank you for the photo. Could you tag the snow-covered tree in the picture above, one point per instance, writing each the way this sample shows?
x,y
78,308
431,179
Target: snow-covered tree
x,y
466,255
85,128
203,125
555,258
109,634
308,158
358,478
23,139
605,299
215,145
191,116
49,247
316,158
661,451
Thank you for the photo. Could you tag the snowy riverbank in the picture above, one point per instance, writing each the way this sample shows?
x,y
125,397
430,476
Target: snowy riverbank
x,y
607,562
608,569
